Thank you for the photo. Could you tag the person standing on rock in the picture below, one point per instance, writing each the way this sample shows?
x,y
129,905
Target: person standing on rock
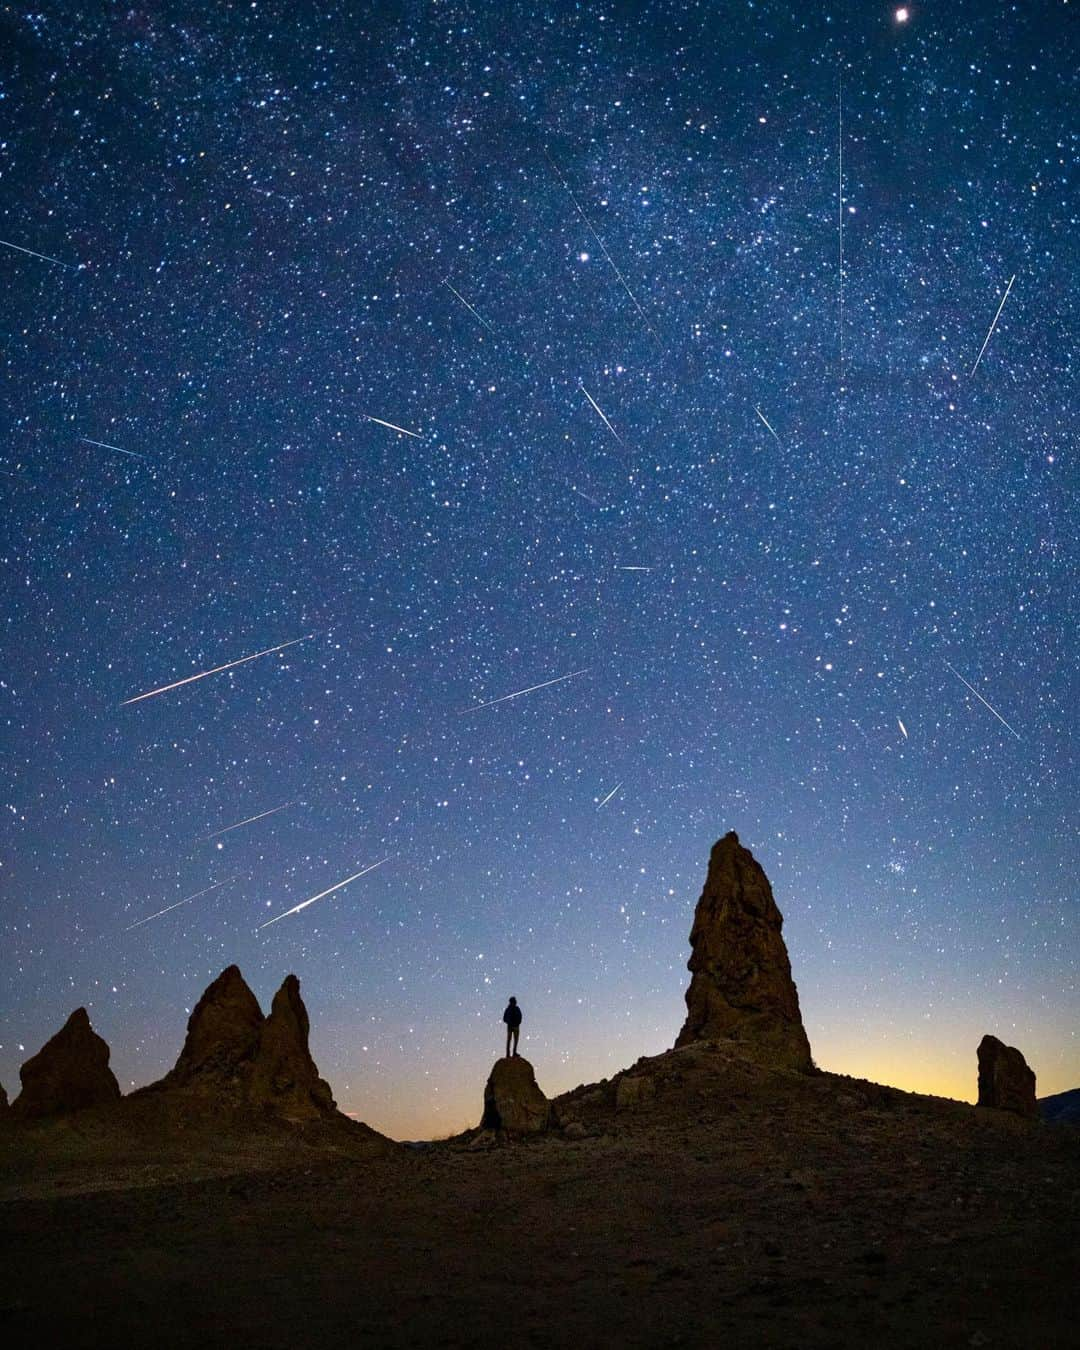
x,y
512,1018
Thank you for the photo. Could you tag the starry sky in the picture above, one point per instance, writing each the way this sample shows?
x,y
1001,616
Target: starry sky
x,y
635,352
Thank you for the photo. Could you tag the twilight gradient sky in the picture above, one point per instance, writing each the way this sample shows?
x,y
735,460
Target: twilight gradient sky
x,y
668,430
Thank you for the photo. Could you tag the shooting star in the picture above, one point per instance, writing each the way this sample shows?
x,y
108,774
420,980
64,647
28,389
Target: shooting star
x,y
775,437
628,567
531,689
476,315
71,267
329,891
164,689
250,820
984,702
603,247
392,427
601,412
591,500
609,796
106,446
186,901
990,334
902,728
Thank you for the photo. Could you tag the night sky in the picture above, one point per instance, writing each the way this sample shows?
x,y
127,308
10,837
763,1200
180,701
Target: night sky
x,y
680,306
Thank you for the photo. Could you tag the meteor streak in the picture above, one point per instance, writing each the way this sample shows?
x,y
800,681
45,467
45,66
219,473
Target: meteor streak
x,y
600,411
609,796
902,728
626,567
984,702
164,689
106,446
531,689
989,335
603,247
479,317
392,427
329,891
775,437
186,901
250,820
43,256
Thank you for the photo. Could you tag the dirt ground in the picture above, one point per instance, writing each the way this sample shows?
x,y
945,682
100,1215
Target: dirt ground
x,y
706,1204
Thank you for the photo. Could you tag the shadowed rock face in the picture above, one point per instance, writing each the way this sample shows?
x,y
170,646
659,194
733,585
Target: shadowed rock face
x,y
512,1100
284,1076
741,987
68,1073
222,1036
1005,1081
4,1108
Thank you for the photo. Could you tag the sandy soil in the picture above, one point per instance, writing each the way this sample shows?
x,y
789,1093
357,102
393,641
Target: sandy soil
x,y
724,1205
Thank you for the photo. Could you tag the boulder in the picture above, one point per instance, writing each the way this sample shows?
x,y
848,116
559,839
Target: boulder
x,y
741,988
512,1100
223,1035
1005,1081
283,1076
68,1073
634,1090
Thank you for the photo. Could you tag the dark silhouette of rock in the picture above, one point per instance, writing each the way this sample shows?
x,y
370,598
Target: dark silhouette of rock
x,y
741,987
223,1034
68,1073
512,1099
1005,1081
1063,1108
283,1076
4,1107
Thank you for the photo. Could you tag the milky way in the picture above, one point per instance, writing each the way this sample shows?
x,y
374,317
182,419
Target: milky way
x,y
343,283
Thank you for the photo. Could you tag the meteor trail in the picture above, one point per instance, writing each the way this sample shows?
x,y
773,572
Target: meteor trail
x,y
984,702
106,446
186,900
164,689
603,247
262,815
600,411
392,427
626,567
479,317
531,689
775,437
609,796
902,728
989,335
591,500
329,890
43,256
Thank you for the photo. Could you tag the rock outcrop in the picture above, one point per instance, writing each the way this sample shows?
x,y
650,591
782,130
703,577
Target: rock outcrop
x,y
284,1077
5,1109
512,1099
222,1039
245,1060
741,987
68,1073
1005,1081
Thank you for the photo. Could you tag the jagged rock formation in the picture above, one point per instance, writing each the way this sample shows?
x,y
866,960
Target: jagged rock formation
x,y
284,1077
741,987
235,1054
512,1099
222,1039
1005,1081
68,1073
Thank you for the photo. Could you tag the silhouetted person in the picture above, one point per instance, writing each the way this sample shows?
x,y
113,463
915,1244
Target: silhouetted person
x,y
512,1018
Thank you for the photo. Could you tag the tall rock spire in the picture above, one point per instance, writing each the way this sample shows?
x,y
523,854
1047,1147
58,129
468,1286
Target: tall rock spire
x,y
741,987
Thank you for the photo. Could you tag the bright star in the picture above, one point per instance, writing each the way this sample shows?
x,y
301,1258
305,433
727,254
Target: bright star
x,y
902,15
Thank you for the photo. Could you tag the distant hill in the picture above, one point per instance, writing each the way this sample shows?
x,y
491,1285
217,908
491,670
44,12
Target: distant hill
x,y
1063,1108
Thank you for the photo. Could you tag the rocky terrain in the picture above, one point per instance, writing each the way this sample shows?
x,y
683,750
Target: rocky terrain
x,y
722,1193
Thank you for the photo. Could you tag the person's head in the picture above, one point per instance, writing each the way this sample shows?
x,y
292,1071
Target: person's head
x,y
513,1001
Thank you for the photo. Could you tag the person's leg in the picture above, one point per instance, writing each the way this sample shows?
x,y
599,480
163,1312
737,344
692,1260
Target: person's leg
x,y
517,1032
509,1033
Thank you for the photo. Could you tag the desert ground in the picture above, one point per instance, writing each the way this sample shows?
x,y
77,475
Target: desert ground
x,y
697,1200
